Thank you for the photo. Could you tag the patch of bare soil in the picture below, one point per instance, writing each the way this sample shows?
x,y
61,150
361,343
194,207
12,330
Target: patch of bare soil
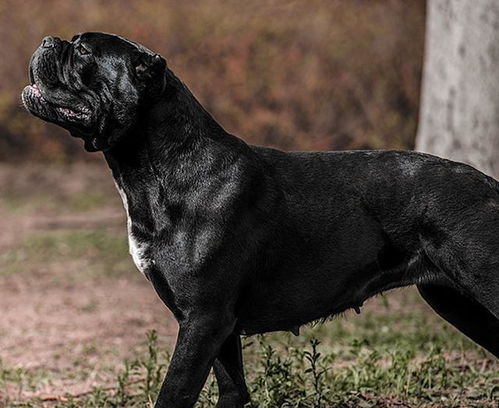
x,y
77,331
33,182
68,329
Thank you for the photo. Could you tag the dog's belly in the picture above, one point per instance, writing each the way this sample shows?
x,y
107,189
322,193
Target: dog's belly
x,y
284,304
305,295
285,307
269,312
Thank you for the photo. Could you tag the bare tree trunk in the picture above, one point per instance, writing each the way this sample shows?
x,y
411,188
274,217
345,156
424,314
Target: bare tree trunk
x,y
459,116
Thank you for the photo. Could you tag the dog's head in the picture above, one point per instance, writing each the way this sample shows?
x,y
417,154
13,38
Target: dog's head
x,y
94,85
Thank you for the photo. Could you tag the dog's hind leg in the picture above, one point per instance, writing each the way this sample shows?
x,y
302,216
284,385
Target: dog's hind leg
x,y
465,313
230,375
464,249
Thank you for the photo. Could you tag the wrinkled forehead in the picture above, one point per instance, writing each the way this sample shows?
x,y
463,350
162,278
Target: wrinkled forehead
x,y
105,43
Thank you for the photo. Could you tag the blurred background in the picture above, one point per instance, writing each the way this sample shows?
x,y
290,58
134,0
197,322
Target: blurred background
x,y
314,75
297,75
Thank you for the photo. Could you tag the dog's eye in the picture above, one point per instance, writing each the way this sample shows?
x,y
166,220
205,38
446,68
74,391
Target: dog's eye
x,y
82,50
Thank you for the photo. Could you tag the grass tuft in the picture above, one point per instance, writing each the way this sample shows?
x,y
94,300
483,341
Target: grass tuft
x,y
281,375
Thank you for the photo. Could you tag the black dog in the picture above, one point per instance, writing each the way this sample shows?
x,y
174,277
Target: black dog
x,y
239,239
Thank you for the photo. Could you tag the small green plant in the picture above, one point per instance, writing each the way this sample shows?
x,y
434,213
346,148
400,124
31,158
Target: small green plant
x,y
151,369
317,372
276,380
291,373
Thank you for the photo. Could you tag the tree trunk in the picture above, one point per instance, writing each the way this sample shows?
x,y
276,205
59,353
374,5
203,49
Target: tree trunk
x,y
459,117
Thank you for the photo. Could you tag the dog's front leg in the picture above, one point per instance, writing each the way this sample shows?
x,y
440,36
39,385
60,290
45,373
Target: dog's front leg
x,y
199,340
230,375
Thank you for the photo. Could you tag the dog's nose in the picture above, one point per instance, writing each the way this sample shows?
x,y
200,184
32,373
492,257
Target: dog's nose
x,y
50,42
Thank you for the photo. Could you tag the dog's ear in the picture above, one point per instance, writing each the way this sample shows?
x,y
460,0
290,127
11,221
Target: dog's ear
x,y
148,66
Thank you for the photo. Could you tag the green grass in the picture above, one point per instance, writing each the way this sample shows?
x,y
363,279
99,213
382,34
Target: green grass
x,y
29,202
18,380
284,371
104,252
286,374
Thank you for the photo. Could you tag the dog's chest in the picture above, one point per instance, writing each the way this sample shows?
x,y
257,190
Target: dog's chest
x,y
138,249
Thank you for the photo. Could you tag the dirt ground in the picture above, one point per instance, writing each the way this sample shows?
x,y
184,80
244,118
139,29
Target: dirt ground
x,y
72,327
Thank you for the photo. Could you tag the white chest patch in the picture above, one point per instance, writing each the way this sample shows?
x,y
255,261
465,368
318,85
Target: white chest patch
x,y
136,248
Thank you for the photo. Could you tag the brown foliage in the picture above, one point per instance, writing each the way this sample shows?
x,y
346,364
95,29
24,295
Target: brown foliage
x,y
298,75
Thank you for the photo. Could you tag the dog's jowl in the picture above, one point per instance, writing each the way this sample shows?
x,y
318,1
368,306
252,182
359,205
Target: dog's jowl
x,y
239,239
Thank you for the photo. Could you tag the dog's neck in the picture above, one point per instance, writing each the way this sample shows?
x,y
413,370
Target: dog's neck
x,y
175,146
174,131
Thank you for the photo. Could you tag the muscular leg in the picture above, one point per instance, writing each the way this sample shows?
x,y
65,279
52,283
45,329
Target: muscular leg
x,y
199,341
230,375
465,313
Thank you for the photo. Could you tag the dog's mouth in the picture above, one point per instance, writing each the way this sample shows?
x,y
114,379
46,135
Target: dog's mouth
x,y
39,104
